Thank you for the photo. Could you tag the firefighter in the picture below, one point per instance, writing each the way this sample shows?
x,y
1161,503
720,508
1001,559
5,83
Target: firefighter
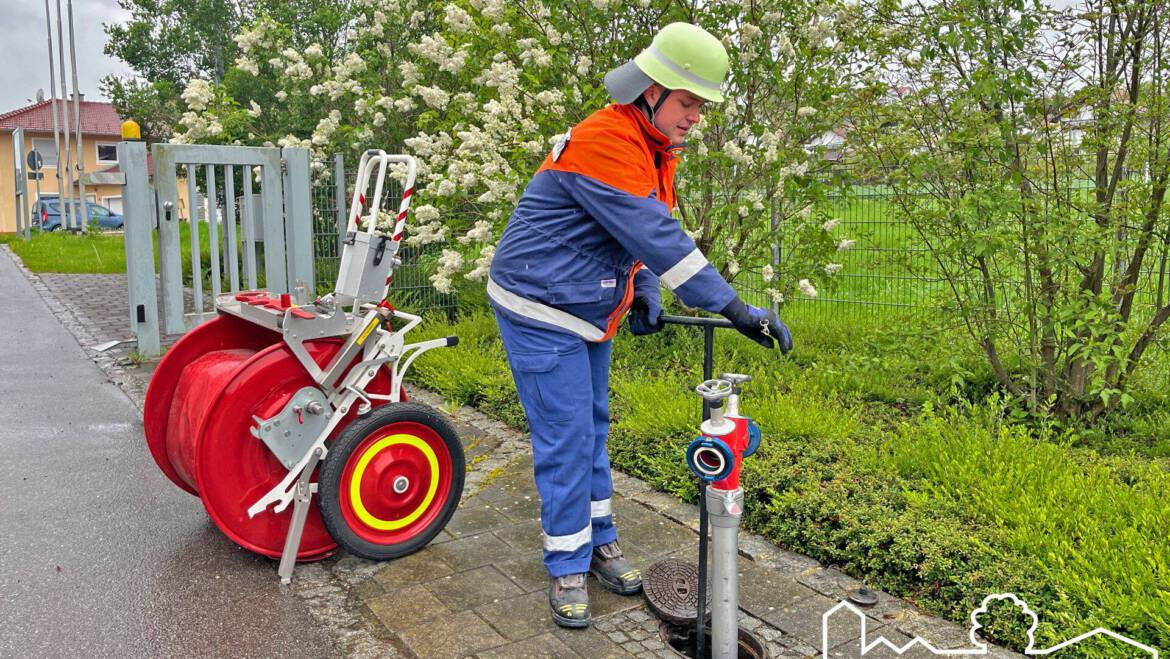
x,y
591,238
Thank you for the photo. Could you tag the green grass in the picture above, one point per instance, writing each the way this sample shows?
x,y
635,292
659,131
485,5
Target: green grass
x,y
63,251
875,462
105,253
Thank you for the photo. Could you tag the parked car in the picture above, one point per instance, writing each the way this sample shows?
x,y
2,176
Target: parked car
x,y
47,215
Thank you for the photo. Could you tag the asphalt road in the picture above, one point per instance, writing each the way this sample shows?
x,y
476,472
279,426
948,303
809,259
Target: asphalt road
x,y
100,555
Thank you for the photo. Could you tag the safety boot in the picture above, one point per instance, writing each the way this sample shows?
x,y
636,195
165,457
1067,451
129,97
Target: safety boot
x,y
569,601
614,571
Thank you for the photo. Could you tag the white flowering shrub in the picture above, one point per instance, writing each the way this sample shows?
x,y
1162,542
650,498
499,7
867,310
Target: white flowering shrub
x,y
478,90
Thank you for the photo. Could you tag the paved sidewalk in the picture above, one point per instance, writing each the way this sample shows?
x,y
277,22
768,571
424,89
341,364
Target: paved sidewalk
x,y
479,589
100,555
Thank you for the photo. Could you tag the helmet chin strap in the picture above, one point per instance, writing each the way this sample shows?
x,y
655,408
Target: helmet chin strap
x,y
652,111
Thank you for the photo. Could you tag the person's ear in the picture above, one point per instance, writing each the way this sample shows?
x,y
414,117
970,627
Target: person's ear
x,y
652,93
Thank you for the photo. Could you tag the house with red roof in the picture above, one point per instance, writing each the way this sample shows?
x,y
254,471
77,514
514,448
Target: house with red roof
x,y
100,133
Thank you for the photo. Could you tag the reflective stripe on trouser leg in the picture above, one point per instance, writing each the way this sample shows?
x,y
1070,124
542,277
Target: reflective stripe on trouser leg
x,y
552,375
601,484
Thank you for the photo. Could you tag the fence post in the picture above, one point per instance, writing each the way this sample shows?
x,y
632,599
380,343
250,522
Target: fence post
x,y
170,266
339,187
271,198
138,213
298,230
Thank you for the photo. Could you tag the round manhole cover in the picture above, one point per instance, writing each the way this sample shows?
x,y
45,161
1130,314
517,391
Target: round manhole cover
x,y
672,591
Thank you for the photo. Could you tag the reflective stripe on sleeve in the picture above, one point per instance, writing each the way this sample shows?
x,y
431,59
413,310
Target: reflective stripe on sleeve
x,y
569,542
544,313
681,272
603,508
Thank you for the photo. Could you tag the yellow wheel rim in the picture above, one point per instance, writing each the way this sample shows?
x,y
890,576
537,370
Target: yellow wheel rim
x,y
355,495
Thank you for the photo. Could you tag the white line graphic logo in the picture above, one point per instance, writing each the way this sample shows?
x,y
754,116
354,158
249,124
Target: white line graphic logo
x,y
979,647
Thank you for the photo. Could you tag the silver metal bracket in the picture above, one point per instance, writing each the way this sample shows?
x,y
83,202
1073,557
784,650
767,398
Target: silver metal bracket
x,y
303,496
293,430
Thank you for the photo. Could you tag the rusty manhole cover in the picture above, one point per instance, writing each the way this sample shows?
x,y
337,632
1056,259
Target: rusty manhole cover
x,y
672,591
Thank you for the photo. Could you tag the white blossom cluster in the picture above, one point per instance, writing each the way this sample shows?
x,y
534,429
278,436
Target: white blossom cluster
x,y
449,263
482,264
198,94
497,82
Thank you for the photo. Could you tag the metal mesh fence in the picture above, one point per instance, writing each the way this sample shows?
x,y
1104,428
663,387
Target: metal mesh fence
x,y
890,272
411,288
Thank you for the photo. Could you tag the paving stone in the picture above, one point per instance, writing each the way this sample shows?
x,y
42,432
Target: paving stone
x,y
786,562
602,602
545,645
762,591
523,536
475,441
829,582
526,570
590,643
668,505
518,476
940,633
522,507
802,619
630,513
606,624
470,589
628,486
874,634
419,567
890,609
475,551
658,538
404,608
455,635
368,589
475,516
519,617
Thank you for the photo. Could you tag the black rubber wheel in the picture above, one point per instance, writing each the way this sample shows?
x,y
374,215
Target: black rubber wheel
x,y
391,481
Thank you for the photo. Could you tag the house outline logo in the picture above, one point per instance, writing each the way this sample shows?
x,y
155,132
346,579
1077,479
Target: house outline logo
x,y
979,647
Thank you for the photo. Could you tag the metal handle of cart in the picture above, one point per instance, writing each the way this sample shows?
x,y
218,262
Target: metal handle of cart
x,y
382,160
709,325
369,254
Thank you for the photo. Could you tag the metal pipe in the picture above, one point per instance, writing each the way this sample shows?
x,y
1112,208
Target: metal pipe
x,y
66,193
77,111
724,508
53,107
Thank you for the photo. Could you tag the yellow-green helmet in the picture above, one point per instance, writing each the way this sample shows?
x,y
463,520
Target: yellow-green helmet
x,y
682,56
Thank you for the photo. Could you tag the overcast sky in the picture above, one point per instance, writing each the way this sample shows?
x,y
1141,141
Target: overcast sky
x,y
24,64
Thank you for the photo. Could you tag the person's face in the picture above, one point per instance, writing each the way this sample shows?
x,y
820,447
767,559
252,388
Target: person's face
x,y
676,116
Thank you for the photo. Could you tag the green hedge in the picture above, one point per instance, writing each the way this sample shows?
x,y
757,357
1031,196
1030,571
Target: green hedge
x,y
869,464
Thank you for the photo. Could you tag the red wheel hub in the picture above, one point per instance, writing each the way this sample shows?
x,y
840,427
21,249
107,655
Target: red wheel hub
x,y
395,482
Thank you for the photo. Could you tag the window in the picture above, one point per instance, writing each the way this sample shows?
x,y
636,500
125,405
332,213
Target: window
x,y
48,150
107,153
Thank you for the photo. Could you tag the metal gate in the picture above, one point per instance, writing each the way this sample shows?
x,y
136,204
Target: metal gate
x,y
277,219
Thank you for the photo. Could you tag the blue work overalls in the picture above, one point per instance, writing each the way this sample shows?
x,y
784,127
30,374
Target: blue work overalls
x,y
592,230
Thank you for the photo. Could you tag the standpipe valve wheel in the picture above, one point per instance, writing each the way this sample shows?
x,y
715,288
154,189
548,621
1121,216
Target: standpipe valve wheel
x,y
391,481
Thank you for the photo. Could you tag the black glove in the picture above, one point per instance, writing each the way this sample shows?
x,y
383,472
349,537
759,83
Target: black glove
x,y
760,325
645,316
